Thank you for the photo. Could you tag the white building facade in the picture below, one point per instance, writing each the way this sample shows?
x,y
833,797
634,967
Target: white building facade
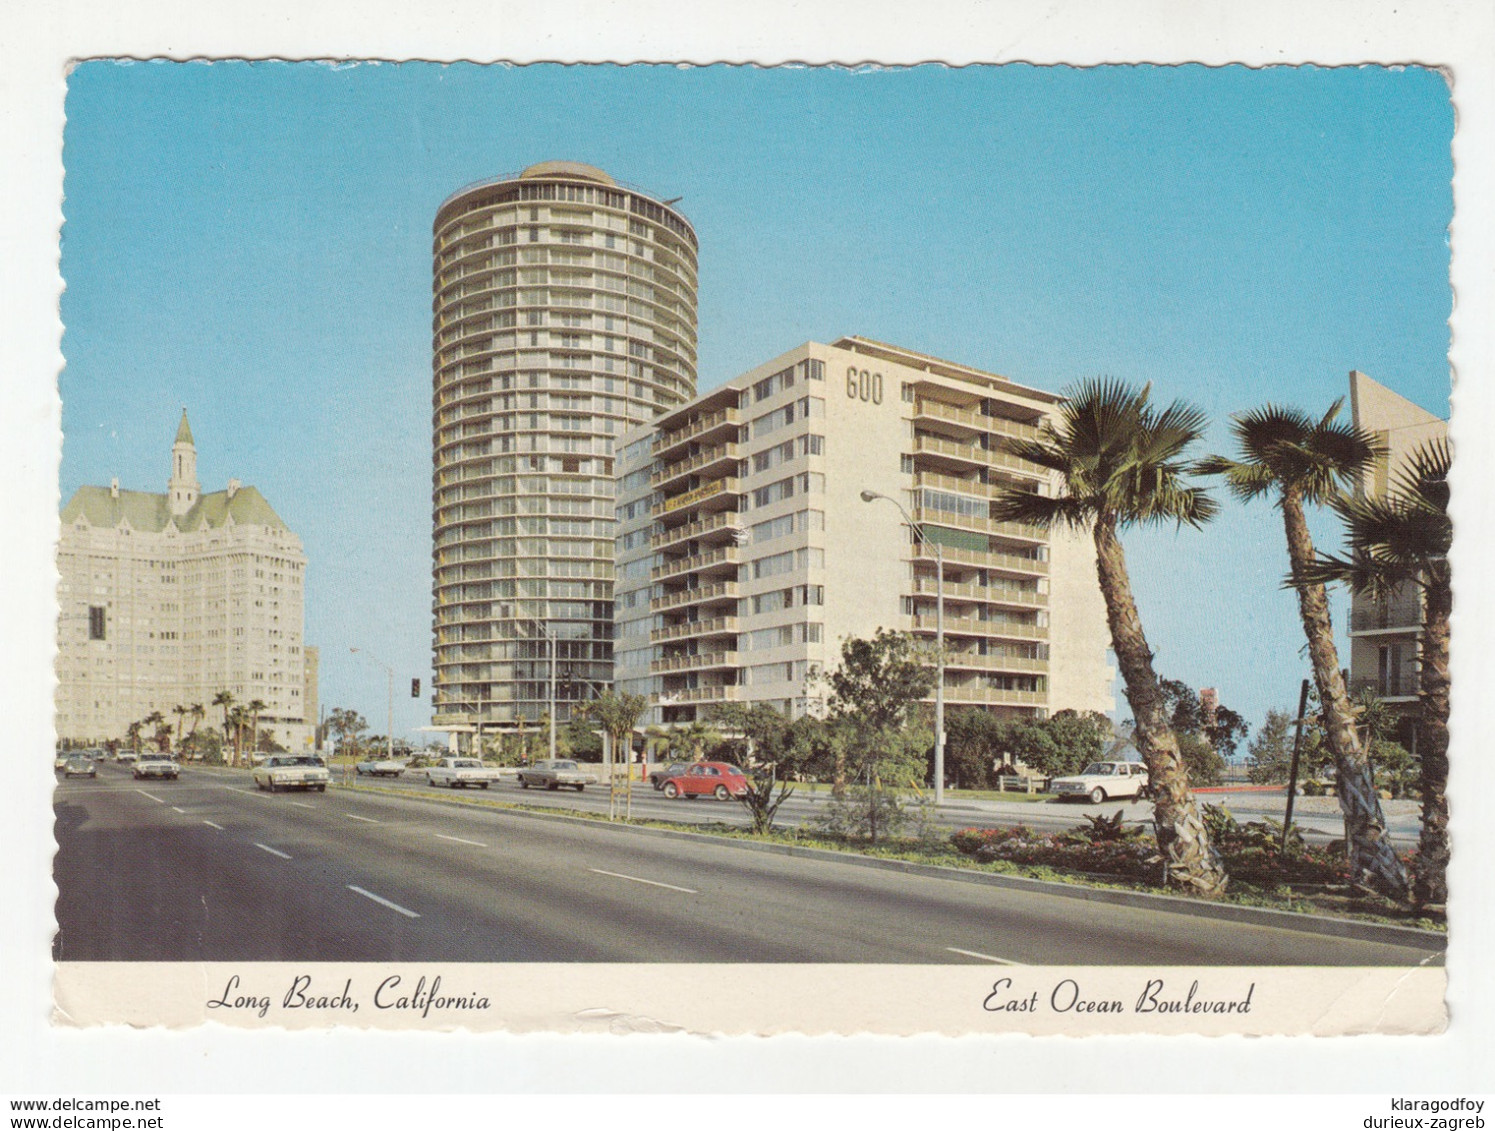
x,y
166,600
746,553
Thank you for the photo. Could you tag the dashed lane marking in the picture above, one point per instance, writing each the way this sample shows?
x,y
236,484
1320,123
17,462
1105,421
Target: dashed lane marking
x,y
152,796
356,817
640,880
983,957
379,899
212,826
272,851
176,809
459,840
303,805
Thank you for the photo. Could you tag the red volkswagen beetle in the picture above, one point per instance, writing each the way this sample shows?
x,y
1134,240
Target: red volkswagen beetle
x,y
719,779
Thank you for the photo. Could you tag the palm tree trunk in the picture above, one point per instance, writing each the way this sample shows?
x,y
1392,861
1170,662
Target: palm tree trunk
x,y
1373,862
1430,876
1191,861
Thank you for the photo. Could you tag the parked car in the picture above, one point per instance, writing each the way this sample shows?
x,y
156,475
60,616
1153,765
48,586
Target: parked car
x,y
79,767
60,762
554,774
717,779
658,777
381,768
457,773
1103,781
291,771
157,766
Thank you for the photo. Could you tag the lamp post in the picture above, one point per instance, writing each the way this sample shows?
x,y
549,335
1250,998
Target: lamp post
x,y
939,636
389,726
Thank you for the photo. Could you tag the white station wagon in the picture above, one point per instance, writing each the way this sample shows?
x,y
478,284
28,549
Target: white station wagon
x,y
1103,781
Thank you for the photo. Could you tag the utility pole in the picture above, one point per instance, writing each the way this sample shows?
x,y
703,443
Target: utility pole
x,y
939,641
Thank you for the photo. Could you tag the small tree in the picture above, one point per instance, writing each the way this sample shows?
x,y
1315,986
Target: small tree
x,y
617,714
347,724
1269,757
761,802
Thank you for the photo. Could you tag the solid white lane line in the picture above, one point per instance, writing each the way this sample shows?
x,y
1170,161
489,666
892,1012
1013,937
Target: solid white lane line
x,y
356,817
272,851
983,957
152,796
459,840
213,826
638,880
384,902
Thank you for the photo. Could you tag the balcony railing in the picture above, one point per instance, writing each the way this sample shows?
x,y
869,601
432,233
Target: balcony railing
x,y
719,453
700,662
724,555
1399,686
712,694
996,696
1403,618
936,517
700,494
722,590
976,661
971,453
723,520
988,594
975,626
1000,425
695,428
711,626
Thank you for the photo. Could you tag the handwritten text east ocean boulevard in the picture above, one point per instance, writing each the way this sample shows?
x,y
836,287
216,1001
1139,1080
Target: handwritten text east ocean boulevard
x,y
1066,996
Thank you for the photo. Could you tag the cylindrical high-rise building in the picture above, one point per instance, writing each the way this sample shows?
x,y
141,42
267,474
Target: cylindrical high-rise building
x,y
565,313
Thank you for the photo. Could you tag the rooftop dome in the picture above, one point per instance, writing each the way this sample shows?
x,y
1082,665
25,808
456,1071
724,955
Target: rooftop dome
x,y
572,169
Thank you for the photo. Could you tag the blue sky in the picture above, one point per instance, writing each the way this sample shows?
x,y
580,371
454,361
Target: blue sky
x,y
253,241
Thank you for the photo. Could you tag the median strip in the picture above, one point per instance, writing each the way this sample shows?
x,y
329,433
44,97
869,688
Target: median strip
x,y
272,851
983,957
379,899
637,880
459,840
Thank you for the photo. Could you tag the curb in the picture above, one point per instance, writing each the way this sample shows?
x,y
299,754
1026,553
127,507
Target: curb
x,y
1171,904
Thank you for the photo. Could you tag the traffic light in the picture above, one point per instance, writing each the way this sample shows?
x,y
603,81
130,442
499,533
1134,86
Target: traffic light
x,y
415,689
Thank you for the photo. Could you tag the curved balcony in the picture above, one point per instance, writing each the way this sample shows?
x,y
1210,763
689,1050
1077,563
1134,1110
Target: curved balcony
x,y
722,523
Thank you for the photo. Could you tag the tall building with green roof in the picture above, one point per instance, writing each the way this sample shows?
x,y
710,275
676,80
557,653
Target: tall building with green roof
x,y
168,599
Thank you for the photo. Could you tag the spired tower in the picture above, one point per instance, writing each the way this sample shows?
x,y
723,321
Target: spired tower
x,y
564,314
183,488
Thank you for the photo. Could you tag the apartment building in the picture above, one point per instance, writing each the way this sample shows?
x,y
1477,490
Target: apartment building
x,y
1385,634
166,599
746,552
564,314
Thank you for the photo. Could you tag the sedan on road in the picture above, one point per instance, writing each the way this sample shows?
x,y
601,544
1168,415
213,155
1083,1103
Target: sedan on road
x,y
553,775
381,768
77,767
156,766
1103,781
658,777
717,779
291,771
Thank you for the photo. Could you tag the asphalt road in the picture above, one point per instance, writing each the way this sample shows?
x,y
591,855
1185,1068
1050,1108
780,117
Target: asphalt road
x,y
805,805
206,868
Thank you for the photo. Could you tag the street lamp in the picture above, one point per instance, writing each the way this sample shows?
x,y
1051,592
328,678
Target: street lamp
x,y
939,631
389,726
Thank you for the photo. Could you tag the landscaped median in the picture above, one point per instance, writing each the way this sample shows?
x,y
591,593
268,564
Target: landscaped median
x,y
1309,883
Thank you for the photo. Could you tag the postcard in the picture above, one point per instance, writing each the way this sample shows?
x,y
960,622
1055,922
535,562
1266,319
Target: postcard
x,y
755,550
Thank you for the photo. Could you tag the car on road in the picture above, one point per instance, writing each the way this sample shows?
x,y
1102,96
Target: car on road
x,y
1103,781
60,762
157,766
555,774
291,771
79,767
381,768
715,779
455,773
127,757
658,777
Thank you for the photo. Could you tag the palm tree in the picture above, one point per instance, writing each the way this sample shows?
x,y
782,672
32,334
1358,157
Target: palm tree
x,y
156,720
1303,461
133,733
254,707
224,699
237,717
1117,464
197,712
1402,539
180,712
